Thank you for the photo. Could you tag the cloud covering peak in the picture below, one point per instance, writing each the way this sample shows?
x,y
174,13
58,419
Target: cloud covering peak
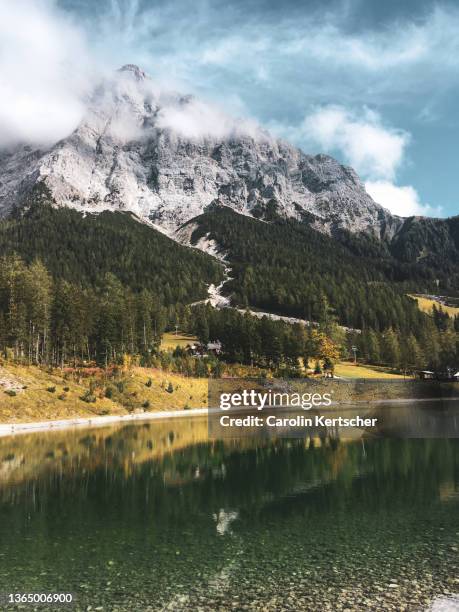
x,y
46,71
195,119
340,75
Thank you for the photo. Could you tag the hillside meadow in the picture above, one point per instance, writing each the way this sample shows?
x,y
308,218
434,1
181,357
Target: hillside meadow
x,y
31,393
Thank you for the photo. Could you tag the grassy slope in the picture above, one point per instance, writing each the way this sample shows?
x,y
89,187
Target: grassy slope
x,y
349,370
426,305
36,403
187,391
170,341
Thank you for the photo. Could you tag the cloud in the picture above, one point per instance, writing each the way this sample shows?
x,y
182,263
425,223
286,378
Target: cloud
x,y
274,60
44,72
48,68
374,150
195,120
314,52
400,200
371,51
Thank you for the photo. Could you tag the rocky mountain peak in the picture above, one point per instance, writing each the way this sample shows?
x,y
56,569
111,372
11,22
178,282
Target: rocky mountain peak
x,y
166,157
133,70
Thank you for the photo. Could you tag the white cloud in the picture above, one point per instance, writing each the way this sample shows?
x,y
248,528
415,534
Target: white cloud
x,y
374,150
196,119
48,70
44,72
403,200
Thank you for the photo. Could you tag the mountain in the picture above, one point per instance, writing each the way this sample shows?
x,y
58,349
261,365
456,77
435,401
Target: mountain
x,y
182,167
96,234
166,157
306,266
431,241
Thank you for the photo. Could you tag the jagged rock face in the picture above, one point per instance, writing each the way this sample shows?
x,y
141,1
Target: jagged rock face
x,y
146,152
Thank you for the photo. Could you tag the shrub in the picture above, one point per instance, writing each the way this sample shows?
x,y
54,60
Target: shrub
x,y
109,392
11,392
170,388
62,396
149,383
88,397
51,389
66,389
146,404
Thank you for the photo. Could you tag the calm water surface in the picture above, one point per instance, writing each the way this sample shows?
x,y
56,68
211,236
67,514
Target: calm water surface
x,y
152,516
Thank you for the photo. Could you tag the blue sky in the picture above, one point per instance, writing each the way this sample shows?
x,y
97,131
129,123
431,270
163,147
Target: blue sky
x,y
373,83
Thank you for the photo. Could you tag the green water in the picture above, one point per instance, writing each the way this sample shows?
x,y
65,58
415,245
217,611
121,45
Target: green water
x,y
152,517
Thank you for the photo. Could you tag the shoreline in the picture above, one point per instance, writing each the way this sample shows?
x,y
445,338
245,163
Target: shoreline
x,y
11,429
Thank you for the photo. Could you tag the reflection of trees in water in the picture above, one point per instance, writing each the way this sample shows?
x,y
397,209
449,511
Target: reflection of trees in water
x,y
70,451
173,467
122,448
200,513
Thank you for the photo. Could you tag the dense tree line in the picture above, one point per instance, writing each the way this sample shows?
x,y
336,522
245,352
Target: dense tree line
x,y
94,288
434,243
275,344
58,322
436,347
264,342
84,249
43,320
287,267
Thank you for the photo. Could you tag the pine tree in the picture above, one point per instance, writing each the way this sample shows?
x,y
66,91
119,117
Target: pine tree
x,y
391,348
374,347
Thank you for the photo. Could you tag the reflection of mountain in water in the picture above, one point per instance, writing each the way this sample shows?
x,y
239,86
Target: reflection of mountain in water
x,y
179,453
